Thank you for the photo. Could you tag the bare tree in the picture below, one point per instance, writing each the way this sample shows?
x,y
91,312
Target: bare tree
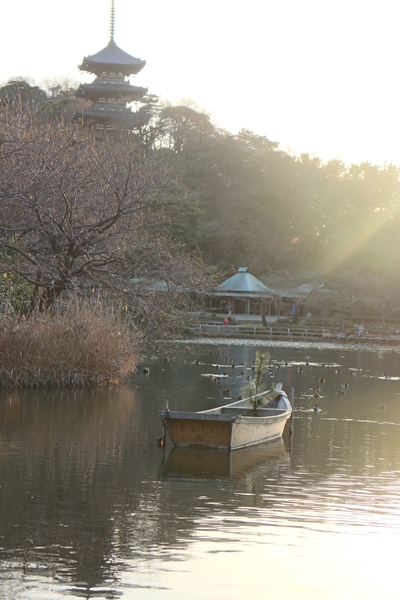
x,y
60,87
183,123
372,295
80,216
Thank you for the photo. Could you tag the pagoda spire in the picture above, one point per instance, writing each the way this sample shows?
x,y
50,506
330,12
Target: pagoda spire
x,y
112,23
111,91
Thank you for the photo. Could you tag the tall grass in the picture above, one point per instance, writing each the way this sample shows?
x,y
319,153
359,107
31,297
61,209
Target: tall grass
x,y
75,344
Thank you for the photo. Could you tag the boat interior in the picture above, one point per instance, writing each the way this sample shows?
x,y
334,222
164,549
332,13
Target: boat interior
x,y
248,412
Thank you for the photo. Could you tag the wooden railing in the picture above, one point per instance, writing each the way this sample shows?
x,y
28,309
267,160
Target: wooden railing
x,y
212,330
290,333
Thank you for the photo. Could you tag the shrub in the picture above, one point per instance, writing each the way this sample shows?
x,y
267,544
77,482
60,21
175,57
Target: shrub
x,y
75,344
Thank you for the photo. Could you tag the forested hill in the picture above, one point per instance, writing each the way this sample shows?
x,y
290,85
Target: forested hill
x,y
245,202
251,204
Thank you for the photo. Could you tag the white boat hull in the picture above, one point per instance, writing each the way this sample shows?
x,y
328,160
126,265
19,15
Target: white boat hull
x,y
252,431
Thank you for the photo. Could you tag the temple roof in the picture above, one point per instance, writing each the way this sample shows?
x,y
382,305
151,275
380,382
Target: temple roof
x,y
112,59
98,89
117,118
110,91
107,113
242,282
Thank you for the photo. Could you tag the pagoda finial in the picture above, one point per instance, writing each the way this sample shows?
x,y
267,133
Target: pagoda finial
x,y
112,23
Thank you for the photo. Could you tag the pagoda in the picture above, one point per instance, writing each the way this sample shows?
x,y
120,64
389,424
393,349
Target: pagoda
x,y
111,90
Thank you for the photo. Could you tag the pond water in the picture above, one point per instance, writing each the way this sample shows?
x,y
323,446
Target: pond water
x,y
90,507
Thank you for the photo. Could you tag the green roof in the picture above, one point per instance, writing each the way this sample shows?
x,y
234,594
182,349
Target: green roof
x,y
242,282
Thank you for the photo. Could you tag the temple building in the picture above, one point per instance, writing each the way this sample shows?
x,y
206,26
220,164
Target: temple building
x,y
243,294
110,91
240,294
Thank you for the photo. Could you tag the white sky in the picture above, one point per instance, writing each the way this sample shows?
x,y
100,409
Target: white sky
x,y
320,76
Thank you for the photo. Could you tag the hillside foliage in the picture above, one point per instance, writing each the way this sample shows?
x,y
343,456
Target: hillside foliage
x,y
232,199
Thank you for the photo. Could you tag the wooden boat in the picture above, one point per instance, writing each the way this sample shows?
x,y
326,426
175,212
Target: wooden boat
x,y
231,426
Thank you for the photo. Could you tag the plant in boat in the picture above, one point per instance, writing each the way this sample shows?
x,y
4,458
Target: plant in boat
x,y
254,386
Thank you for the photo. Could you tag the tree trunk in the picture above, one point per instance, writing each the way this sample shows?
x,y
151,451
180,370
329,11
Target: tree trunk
x,y
44,300
263,319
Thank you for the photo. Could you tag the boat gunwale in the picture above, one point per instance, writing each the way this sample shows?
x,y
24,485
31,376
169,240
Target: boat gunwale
x,y
217,416
246,404
249,402
195,416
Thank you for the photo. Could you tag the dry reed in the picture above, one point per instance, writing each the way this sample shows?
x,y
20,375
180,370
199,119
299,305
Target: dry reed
x,y
74,345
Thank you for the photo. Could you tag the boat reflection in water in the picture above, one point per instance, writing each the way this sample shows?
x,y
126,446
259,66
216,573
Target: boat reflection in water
x,y
204,463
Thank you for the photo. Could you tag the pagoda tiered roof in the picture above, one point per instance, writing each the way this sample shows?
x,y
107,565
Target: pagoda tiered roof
x,y
112,59
106,114
111,90
106,90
